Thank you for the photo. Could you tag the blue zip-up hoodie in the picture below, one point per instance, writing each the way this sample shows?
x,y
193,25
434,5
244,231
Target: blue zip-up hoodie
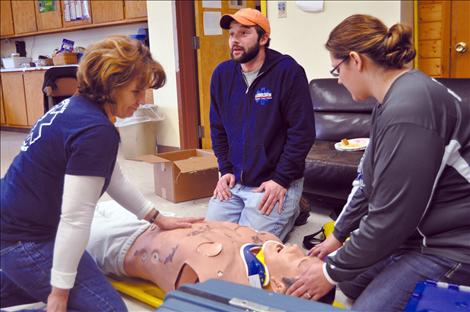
x,y
263,132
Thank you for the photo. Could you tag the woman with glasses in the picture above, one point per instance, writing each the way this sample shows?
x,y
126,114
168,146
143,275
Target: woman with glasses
x,y
409,218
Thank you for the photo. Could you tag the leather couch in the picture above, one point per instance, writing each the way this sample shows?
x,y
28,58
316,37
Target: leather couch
x,y
329,173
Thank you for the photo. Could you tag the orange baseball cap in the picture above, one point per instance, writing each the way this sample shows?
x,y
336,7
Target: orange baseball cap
x,y
246,17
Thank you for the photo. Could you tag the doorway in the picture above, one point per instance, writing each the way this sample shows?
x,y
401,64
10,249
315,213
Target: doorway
x,y
443,30
212,43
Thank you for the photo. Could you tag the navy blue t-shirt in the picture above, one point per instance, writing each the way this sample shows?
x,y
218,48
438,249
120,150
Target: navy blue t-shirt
x,y
75,137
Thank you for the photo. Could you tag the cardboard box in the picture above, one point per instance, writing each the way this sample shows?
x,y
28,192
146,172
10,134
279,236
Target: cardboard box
x,y
184,175
64,58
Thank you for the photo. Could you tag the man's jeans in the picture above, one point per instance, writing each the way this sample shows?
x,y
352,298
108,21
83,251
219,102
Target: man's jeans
x,y
242,208
387,285
26,273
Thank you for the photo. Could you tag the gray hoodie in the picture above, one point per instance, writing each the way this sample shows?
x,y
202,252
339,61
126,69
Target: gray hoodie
x,y
414,187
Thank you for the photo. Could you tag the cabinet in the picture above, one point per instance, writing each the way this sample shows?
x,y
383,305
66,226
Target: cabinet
x,y
66,7
14,100
34,96
6,23
22,97
48,20
2,109
135,9
104,11
20,18
24,16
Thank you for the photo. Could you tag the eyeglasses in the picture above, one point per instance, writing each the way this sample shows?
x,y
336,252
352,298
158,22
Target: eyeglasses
x,y
335,71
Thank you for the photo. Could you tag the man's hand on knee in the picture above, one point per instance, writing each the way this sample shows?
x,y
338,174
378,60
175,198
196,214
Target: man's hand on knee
x,y
222,189
273,193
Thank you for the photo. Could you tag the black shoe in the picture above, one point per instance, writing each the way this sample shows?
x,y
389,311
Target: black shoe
x,y
304,207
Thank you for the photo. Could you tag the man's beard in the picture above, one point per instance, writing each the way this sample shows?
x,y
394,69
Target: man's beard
x,y
248,55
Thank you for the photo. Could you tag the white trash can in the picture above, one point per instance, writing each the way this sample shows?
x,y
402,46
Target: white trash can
x,y
139,132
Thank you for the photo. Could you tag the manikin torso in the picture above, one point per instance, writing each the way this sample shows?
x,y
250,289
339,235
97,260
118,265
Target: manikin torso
x,y
207,250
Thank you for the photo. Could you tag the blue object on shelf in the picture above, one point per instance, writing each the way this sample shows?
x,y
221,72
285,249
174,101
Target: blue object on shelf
x,y
439,297
138,37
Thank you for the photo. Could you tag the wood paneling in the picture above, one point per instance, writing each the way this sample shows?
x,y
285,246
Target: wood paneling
x,y
49,20
431,66
107,11
135,8
433,34
460,62
24,16
430,11
29,22
6,23
428,31
431,48
34,97
14,99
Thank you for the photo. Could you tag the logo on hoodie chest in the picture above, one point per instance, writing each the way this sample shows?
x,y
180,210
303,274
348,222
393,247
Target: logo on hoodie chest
x,y
263,96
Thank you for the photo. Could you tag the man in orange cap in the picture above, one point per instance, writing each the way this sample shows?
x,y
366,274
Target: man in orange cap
x,y
262,128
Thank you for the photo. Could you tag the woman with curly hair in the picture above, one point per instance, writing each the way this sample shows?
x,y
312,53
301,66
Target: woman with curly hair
x,y
66,163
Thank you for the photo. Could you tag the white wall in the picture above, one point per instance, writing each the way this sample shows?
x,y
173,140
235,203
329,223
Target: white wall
x,y
302,35
163,45
45,44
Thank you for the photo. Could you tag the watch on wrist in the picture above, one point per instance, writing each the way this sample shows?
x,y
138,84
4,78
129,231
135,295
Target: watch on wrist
x,y
154,216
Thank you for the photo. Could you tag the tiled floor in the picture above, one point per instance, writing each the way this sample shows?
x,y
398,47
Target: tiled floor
x,y
141,174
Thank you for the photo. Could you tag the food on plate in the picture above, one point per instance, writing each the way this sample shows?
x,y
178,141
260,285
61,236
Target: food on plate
x,y
357,144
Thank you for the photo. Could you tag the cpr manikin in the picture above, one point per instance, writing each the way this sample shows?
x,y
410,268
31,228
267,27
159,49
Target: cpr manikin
x,y
123,245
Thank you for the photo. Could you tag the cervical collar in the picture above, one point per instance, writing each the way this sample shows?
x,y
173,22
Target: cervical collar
x,y
256,269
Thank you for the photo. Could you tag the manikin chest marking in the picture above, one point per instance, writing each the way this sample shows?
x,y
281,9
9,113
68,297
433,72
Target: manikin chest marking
x,y
209,249
256,269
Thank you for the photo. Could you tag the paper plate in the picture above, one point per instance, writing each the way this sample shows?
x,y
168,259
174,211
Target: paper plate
x,y
358,144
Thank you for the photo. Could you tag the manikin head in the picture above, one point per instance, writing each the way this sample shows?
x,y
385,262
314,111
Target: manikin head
x,y
282,263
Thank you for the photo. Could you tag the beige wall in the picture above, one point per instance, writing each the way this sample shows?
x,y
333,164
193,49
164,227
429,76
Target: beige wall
x,y
302,35
163,45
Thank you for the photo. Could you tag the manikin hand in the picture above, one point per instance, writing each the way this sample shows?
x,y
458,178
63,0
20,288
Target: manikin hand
x,y
311,283
170,223
273,193
222,189
326,247
57,300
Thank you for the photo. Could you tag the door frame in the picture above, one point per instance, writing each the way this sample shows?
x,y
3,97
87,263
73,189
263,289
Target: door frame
x,y
186,76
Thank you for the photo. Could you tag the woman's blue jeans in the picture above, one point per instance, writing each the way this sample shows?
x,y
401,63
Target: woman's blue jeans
x,y
26,273
388,285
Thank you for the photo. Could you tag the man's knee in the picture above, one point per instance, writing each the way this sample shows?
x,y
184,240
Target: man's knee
x,y
227,210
